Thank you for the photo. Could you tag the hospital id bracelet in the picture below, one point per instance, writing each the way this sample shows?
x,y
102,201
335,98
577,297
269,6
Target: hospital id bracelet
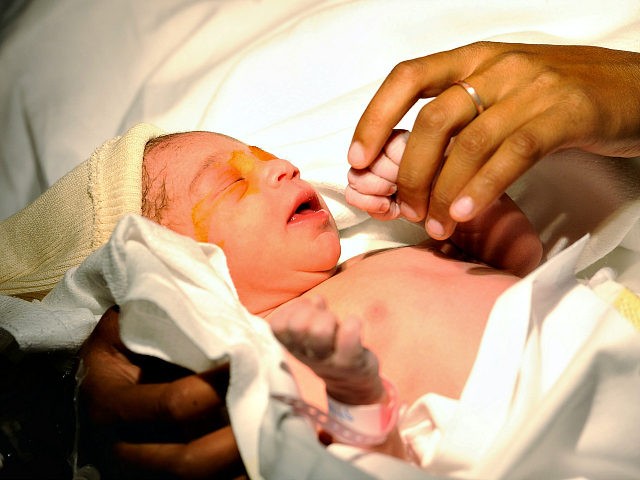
x,y
382,416
374,421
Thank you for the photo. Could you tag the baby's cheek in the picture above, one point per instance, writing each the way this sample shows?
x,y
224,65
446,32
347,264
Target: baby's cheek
x,y
212,220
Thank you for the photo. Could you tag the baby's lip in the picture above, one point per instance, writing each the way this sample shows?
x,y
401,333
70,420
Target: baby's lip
x,y
305,202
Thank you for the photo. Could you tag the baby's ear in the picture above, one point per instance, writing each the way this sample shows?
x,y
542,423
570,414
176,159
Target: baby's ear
x,y
394,148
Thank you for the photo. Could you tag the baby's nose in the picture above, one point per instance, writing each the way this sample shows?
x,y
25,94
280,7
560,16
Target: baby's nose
x,y
276,171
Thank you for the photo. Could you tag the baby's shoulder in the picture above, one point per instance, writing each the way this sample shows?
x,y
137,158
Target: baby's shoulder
x,y
426,253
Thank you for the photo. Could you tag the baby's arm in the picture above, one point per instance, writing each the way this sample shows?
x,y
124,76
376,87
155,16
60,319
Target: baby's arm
x,y
358,397
501,236
332,349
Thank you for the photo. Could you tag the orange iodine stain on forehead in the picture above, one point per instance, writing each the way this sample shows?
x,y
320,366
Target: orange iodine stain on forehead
x,y
242,162
245,162
261,154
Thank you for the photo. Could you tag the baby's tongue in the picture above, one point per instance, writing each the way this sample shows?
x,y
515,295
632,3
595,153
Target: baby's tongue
x,y
301,213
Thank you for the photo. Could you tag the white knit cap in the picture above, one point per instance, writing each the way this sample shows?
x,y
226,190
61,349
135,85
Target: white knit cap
x,y
74,217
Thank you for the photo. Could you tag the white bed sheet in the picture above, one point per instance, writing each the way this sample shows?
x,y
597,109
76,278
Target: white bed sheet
x,y
291,77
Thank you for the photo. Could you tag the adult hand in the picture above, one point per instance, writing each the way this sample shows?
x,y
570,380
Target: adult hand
x,y
151,419
537,99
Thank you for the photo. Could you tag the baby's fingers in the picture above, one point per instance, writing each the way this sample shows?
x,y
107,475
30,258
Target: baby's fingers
x,y
305,327
348,345
380,177
371,183
289,322
394,148
319,342
378,206
352,374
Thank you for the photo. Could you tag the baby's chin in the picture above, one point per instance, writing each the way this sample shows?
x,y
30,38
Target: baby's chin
x,y
329,250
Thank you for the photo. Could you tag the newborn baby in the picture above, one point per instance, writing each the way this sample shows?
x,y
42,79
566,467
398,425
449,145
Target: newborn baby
x,y
422,309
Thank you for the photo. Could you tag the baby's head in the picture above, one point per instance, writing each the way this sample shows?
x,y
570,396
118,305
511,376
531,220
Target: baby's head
x,y
276,231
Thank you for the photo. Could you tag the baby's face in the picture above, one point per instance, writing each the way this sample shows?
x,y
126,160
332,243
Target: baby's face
x,y
273,227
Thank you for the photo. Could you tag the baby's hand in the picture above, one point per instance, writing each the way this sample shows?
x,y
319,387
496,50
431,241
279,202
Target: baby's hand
x,y
332,349
373,189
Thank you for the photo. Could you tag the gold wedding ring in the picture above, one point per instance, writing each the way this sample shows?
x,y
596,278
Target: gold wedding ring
x,y
475,98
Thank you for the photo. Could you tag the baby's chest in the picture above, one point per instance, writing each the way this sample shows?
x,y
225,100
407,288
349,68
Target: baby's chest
x,y
398,283
421,313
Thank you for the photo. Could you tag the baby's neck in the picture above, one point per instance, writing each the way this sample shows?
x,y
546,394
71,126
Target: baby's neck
x,y
262,301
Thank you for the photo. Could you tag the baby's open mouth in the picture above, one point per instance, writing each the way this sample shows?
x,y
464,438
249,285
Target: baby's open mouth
x,y
306,205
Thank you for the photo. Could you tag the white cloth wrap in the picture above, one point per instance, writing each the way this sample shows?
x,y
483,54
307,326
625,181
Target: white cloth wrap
x,y
555,363
178,303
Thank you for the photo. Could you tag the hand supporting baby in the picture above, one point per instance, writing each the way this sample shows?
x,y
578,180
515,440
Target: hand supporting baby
x,y
144,418
331,348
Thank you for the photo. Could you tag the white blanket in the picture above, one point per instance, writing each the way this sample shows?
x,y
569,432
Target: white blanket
x,y
553,392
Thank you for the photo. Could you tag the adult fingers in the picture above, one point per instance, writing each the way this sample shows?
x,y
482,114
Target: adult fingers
x,y
180,403
491,153
516,154
187,399
213,455
406,83
472,148
435,124
105,336
119,386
